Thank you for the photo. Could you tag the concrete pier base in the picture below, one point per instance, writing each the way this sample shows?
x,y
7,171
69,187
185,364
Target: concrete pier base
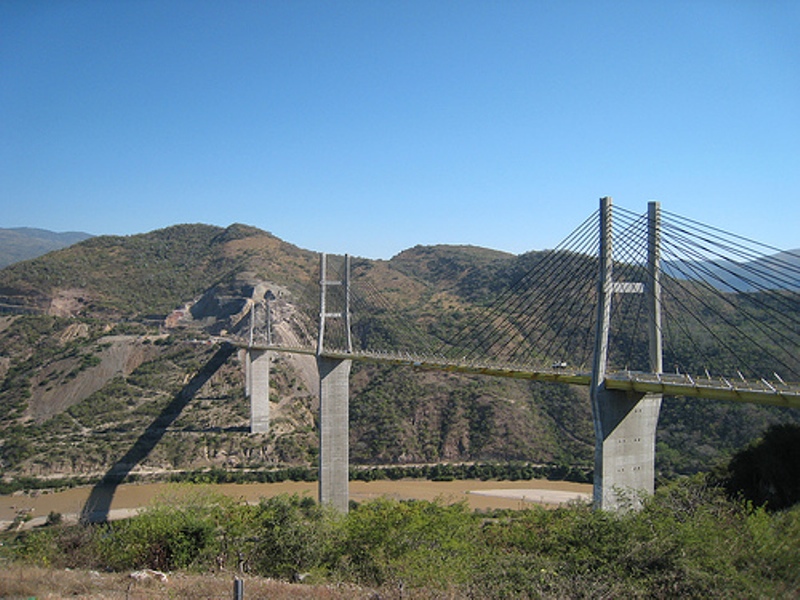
x,y
625,446
334,443
257,369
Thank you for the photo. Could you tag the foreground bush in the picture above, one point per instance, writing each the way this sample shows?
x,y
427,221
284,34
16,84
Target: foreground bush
x,y
690,539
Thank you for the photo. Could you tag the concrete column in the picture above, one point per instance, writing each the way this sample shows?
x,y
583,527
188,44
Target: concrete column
x,y
257,365
624,423
624,447
244,356
334,443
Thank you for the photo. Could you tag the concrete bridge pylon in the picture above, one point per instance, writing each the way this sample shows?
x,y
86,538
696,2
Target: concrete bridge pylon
x,y
334,436
257,363
624,422
334,399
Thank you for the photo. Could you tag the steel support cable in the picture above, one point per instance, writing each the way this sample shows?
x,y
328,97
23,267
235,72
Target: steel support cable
x,y
672,353
368,296
696,267
577,309
419,340
581,317
672,320
628,251
721,260
669,323
335,329
564,337
784,320
563,269
307,304
560,290
696,273
771,271
371,310
753,243
728,248
776,270
633,255
780,298
623,234
560,297
636,331
551,264
702,301
505,302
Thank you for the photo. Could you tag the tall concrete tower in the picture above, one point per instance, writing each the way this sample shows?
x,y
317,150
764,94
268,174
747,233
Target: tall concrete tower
x,y
624,422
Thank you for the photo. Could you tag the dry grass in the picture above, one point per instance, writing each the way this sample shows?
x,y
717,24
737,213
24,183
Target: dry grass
x,y
18,581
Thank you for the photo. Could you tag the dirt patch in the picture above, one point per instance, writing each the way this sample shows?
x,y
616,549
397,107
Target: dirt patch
x,y
74,331
68,302
58,387
17,581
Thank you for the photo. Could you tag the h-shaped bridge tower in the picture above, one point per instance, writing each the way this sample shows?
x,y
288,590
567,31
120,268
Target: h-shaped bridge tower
x,y
334,390
625,421
334,398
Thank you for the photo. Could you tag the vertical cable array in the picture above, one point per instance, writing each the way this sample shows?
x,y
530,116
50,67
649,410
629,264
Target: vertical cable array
x,y
732,304
544,316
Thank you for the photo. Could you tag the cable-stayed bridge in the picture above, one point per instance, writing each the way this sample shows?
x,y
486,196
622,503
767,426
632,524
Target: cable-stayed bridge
x,y
635,306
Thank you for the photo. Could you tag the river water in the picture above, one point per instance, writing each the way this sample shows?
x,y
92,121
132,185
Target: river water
x,y
127,499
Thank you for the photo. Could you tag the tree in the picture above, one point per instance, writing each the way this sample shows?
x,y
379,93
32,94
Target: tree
x,y
768,471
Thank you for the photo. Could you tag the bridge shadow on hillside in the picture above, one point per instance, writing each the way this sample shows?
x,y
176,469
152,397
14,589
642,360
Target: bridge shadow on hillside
x,y
98,505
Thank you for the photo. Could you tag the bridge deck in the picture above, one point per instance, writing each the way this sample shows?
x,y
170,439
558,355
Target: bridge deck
x,y
718,388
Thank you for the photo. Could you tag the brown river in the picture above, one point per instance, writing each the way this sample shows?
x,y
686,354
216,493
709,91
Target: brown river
x,y
128,499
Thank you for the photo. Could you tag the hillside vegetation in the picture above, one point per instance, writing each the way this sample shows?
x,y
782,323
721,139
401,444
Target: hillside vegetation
x,y
101,344
689,540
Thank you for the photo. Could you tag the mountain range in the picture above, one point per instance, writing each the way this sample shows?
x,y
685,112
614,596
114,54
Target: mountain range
x,y
742,275
23,243
102,344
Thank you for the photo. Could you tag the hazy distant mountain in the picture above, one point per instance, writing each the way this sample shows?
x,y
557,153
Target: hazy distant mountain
x,y
768,272
22,243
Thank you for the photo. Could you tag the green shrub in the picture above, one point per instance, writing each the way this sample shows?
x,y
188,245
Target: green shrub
x,y
418,543
290,535
172,534
689,540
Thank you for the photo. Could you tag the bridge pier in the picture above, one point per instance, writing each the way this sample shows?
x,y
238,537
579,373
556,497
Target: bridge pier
x,y
334,442
257,387
625,445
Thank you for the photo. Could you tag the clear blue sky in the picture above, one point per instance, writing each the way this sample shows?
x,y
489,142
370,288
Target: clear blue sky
x,y
371,126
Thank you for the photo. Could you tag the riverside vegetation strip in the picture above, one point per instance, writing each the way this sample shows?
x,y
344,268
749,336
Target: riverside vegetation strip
x,y
733,533
690,540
